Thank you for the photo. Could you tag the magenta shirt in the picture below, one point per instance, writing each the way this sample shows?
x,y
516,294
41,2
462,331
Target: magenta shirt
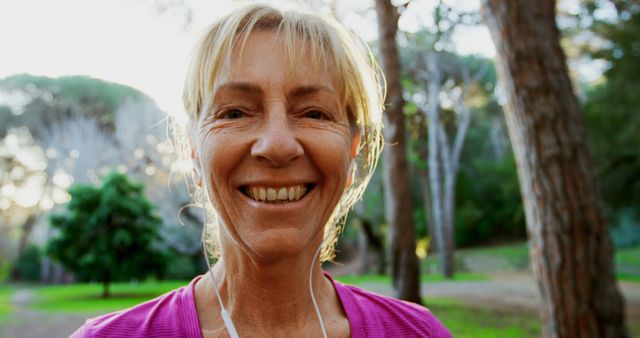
x,y
174,315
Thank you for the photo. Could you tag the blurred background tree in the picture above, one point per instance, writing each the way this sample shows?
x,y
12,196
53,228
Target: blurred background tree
x,y
67,130
405,270
108,233
612,112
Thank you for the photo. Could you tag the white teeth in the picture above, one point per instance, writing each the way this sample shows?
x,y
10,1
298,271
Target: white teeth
x,y
276,195
271,194
302,190
282,194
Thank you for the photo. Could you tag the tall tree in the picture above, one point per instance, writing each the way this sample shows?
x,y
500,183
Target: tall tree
x,y
571,249
398,205
441,85
108,233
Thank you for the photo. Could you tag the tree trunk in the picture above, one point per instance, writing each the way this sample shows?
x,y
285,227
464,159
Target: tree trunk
x,y
448,191
450,163
426,201
27,229
105,286
571,250
403,259
363,250
436,159
368,241
376,244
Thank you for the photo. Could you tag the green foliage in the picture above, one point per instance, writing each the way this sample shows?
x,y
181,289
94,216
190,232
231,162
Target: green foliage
x,y
53,99
180,266
29,263
108,233
372,209
80,89
612,115
627,232
489,204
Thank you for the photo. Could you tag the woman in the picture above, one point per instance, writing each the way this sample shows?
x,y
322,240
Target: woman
x,y
284,132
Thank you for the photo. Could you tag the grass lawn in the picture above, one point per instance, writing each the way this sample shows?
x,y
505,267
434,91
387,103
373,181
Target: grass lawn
x,y
515,257
5,302
464,321
87,297
628,264
355,279
628,256
509,257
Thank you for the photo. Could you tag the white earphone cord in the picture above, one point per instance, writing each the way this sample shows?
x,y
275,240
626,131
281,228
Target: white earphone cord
x,y
226,317
313,297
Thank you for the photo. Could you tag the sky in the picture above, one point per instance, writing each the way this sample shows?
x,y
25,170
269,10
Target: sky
x,y
133,43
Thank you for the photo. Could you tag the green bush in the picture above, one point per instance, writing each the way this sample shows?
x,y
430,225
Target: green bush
x,y
29,263
489,205
108,233
184,267
626,233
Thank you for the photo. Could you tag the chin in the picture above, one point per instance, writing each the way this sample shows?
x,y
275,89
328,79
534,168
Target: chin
x,y
278,244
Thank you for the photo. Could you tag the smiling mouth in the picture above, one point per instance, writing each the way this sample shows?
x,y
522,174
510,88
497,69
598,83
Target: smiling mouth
x,y
277,195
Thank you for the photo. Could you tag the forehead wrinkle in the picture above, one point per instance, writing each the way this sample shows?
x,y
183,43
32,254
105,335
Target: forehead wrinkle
x,y
244,88
301,91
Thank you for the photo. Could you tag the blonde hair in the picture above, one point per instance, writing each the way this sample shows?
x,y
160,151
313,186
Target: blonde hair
x,y
360,85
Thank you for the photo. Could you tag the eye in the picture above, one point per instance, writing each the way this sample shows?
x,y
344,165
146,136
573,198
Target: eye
x,y
231,114
315,114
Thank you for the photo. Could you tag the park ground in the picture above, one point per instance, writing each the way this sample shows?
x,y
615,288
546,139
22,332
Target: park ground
x,y
495,296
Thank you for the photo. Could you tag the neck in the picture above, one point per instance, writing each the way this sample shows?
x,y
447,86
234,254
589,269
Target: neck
x,y
271,295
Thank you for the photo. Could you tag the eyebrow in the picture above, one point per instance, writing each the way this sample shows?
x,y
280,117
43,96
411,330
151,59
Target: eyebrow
x,y
254,89
307,90
247,87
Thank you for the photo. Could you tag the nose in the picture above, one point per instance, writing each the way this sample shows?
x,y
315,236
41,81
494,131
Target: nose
x,y
276,143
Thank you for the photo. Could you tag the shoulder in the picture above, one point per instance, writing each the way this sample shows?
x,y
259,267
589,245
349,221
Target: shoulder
x,y
170,315
383,316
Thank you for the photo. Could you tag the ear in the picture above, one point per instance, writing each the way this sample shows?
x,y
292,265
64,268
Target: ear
x,y
196,165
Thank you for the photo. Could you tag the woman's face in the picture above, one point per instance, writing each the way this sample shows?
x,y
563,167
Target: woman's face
x,y
275,148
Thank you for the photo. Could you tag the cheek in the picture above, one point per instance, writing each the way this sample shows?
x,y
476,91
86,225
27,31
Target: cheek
x,y
332,156
219,154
